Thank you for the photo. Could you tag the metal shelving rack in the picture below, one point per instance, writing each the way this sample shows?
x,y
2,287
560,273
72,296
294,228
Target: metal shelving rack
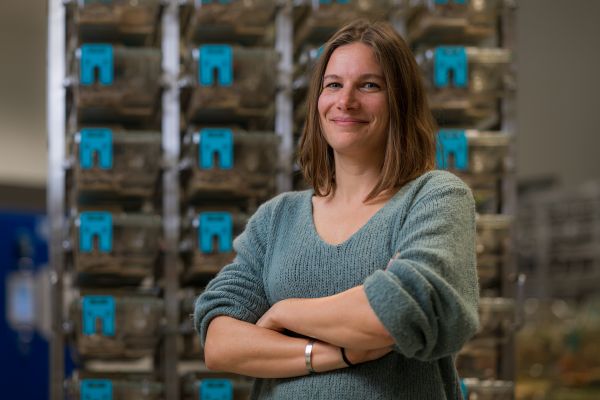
x,y
284,116
513,282
170,195
510,283
167,362
56,121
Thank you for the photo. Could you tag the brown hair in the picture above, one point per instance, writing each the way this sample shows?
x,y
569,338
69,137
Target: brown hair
x,y
410,148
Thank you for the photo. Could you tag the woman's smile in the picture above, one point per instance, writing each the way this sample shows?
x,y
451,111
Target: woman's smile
x,y
348,121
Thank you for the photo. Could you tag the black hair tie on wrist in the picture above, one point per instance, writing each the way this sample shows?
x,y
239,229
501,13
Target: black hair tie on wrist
x,y
345,358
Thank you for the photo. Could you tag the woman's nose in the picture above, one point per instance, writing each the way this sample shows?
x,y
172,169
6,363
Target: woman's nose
x,y
347,99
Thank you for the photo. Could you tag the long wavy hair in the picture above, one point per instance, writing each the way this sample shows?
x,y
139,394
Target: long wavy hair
x,y
410,147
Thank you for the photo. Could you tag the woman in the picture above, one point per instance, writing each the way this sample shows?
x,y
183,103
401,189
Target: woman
x,y
365,286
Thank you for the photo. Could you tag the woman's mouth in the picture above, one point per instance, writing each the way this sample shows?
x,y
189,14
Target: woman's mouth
x,y
345,121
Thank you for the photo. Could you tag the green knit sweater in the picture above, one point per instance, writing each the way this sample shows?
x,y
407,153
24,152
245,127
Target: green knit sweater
x,y
426,296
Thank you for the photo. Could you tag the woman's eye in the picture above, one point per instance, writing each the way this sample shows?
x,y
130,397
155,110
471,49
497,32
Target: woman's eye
x,y
371,85
333,85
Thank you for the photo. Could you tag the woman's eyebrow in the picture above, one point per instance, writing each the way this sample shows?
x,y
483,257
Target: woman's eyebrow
x,y
364,76
372,76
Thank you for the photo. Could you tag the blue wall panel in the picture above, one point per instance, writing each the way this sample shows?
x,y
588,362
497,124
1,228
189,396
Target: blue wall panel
x,y
23,367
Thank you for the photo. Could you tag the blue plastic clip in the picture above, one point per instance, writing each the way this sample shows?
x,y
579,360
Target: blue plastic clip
x,y
452,141
96,56
98,140
213,224
464,389
442,2
95,389
450,58
219,141
216,57
216,389
98,307
95,223
337,1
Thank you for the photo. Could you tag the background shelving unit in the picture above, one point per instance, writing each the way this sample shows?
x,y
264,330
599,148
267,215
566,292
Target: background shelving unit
x,y
295,30
467,52
110,27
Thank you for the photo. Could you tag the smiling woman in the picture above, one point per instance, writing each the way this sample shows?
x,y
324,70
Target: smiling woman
x,y
390,89
353,107
363,287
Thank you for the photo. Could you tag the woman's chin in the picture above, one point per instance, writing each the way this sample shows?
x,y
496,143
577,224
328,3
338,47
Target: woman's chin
x,y
351,149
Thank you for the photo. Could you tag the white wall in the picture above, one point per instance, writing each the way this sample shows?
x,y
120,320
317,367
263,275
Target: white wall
x,y
22,92
559,89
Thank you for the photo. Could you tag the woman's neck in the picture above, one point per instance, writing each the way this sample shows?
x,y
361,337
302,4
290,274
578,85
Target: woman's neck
x,y
355,179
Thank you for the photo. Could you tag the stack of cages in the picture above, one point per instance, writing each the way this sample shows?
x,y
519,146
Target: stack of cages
x,y
229,154
113,306
559,247
315,21
559,242
466,62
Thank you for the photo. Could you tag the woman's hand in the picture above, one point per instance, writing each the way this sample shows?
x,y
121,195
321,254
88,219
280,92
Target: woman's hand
x,y
362,356
269,319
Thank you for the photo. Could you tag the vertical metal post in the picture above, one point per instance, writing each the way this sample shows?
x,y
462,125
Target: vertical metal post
x,y
283,101
509,107
56,120
509,186
170,195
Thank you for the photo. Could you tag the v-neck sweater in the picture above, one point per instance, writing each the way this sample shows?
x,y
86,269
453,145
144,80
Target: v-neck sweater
x,y
416,259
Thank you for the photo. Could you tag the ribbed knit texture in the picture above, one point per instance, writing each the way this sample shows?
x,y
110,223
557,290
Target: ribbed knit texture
x,y
426,297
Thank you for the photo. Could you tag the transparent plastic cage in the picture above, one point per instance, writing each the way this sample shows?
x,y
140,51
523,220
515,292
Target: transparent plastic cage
x,y
114,325
247,22
121,386
460,111
117,21
232,163
573,224
191,348
478,359
496,316
119,245
231,82
493,234
473,152
460,71
573,272
486,192
316,21
116,162
209,238
479,389
303,67
465,83
116,83
215,385
486,200
489,272
451,21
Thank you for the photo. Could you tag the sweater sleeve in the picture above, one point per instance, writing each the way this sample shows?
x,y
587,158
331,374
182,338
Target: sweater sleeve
x,y
237,291
428,295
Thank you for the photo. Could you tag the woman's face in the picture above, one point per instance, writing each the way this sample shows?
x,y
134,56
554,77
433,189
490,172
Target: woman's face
x,y
353,105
